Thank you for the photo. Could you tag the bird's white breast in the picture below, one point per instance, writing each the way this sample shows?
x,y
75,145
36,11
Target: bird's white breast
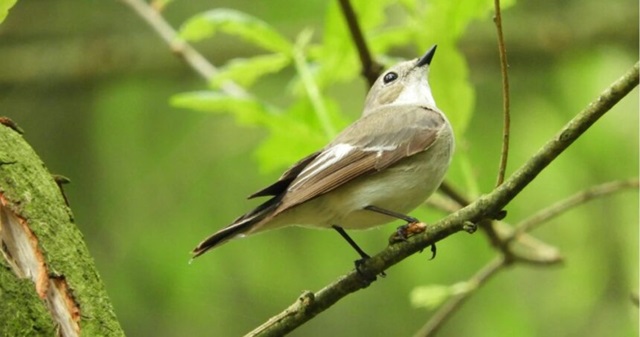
x,y
417,93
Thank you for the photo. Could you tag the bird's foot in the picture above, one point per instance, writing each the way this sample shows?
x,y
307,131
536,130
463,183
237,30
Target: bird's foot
x,y
404,232
367,276
408,230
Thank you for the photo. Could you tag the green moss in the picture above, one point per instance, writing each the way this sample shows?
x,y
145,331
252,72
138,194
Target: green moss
x,y
33,194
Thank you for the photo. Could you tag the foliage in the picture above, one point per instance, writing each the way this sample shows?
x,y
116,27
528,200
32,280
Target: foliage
x,y
434,295
5,6
333,60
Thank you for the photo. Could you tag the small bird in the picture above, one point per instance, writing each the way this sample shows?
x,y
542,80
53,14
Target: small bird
x,y
376,170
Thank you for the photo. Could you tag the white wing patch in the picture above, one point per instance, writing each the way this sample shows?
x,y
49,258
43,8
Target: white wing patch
x,y
380,149
323,162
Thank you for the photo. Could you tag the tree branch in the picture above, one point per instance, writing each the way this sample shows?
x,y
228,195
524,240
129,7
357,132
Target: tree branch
x,y
454,194
577,199
370,69
181,48
313,304
569,133
504,153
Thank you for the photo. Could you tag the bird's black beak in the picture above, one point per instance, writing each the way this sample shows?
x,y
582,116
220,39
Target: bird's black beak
x,y
427,57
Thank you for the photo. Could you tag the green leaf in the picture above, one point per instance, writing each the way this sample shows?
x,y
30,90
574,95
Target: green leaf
x,y
161,5
289,140
389,37
299,126
233,22
309,83
451,88
434,295
248,111
247,71
5,5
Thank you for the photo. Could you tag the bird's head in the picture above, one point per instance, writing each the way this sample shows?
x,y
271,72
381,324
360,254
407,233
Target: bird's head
x,y
404,83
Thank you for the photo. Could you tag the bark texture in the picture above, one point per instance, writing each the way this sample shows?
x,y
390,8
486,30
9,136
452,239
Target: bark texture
x,y
48,281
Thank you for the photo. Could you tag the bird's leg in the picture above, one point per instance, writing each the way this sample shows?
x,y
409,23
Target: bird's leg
x,y
412,227
392,214
353,244
363,256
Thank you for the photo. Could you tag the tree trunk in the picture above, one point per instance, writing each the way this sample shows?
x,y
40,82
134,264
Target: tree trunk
x,y
48,281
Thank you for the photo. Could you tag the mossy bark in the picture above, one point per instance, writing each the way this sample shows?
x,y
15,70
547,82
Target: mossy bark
x,y
30,196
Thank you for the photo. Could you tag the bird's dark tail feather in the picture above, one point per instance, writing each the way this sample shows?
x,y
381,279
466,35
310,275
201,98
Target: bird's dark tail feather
x,y
239,226
218,238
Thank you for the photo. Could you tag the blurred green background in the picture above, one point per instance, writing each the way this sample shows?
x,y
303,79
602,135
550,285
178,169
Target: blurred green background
x,y
90,84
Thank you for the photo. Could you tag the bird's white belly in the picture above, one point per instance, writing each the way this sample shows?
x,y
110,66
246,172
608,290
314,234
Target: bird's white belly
x,y
399,189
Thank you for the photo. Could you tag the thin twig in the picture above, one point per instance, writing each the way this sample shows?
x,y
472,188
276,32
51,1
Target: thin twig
x,y
442,204
504,153
485,205
370,69
487,224
455,302
454,194
181,48
635,299
569,203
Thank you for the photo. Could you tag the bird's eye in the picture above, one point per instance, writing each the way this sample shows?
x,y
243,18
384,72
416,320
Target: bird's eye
x,y
390,77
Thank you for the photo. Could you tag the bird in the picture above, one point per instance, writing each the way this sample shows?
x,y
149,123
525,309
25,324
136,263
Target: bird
x,y
375,171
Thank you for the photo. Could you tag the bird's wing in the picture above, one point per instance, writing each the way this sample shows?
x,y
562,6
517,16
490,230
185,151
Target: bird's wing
x,y
373,143
286,178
